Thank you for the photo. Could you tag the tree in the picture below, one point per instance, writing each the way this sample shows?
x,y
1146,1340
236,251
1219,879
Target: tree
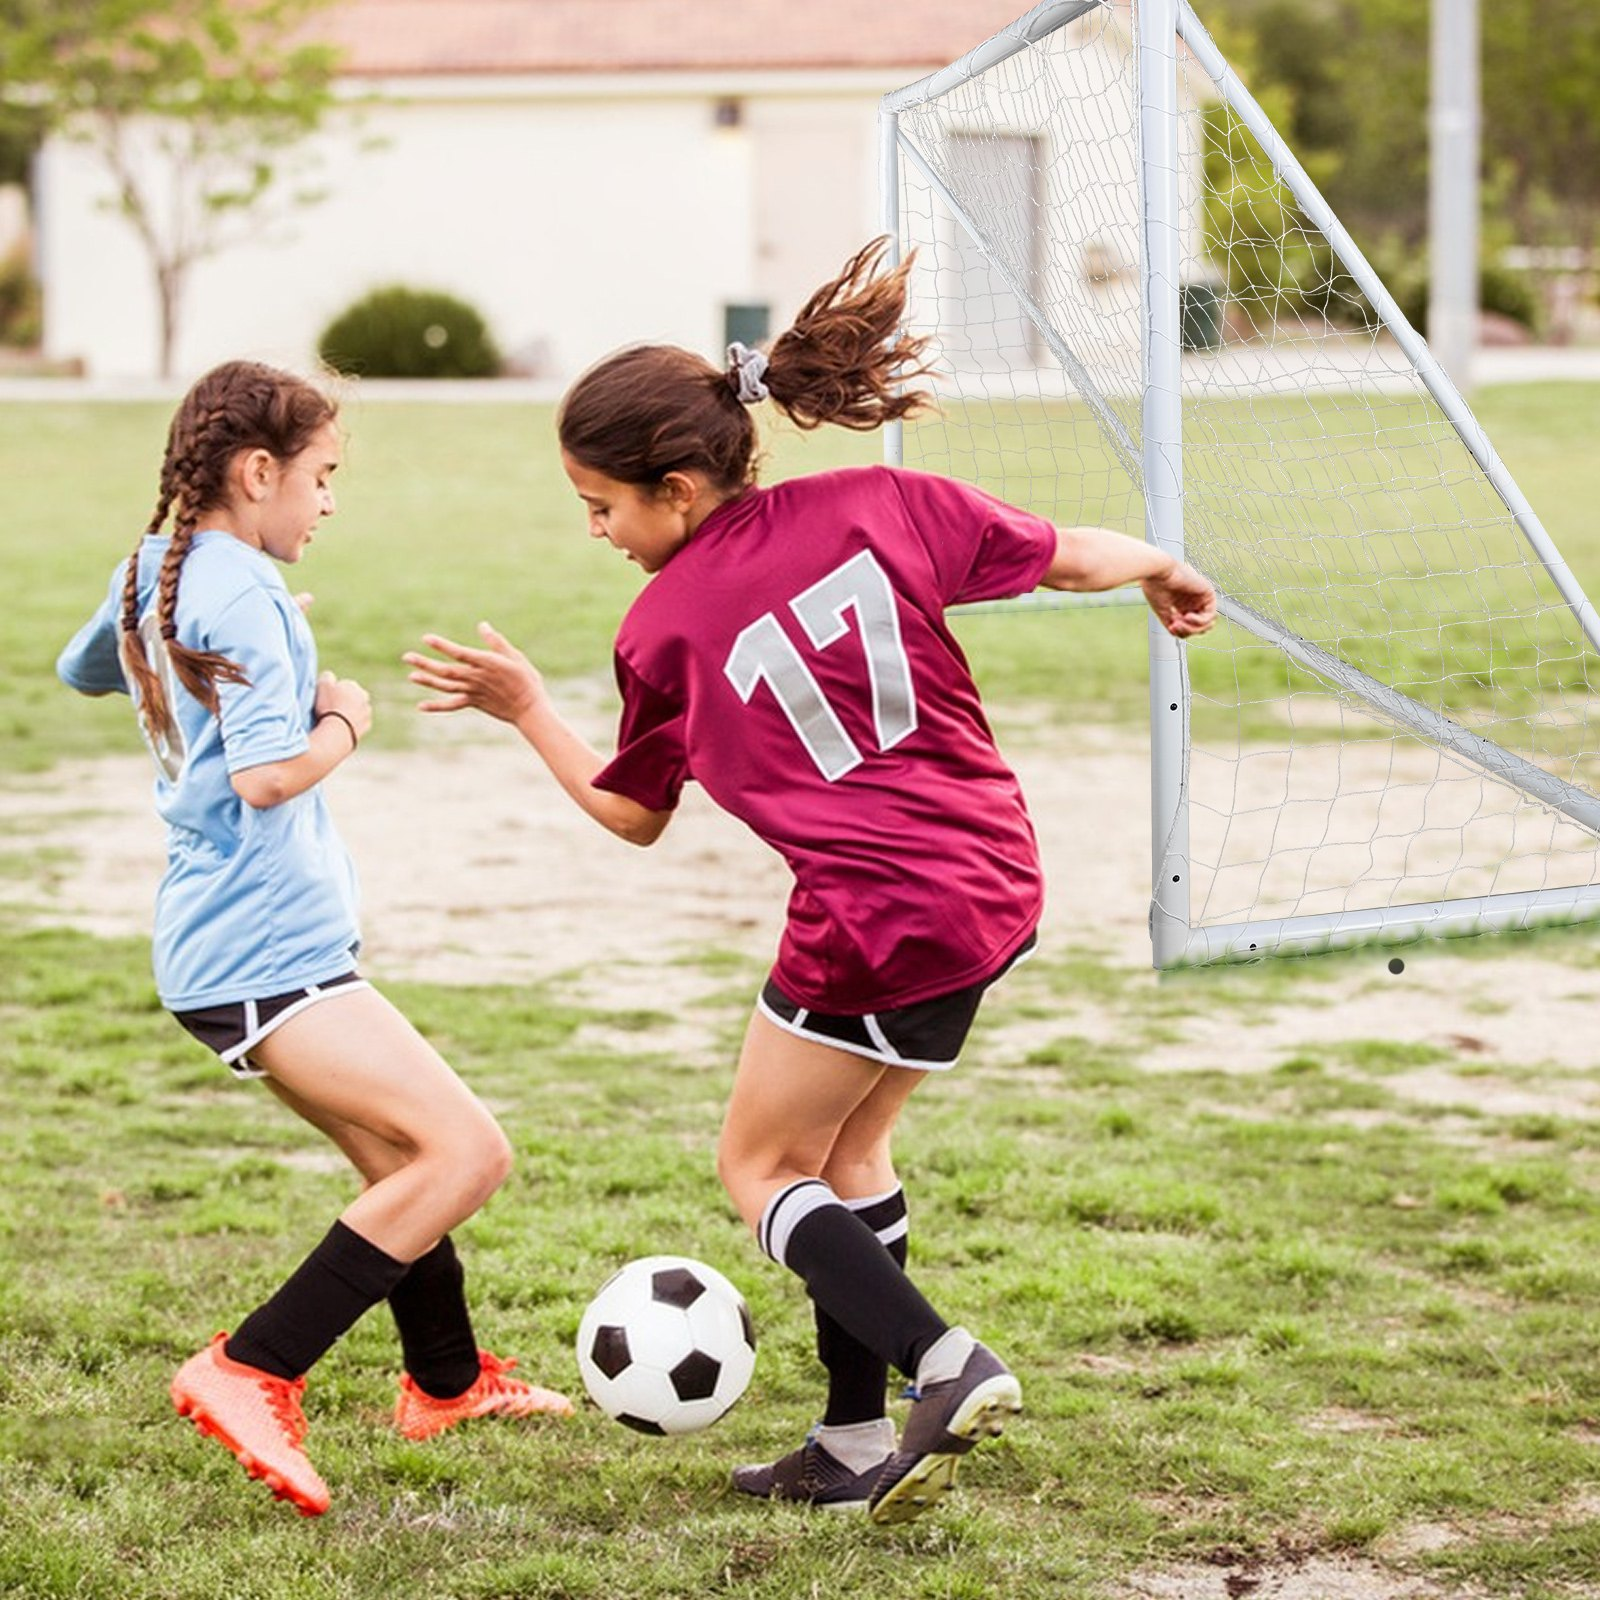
x,y
198,109
22,120
1357,71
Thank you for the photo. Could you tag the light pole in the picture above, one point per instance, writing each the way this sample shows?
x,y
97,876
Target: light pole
x,y
1453,188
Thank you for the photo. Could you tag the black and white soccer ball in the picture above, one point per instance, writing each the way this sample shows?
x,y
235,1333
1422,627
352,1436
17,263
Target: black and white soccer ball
x,y
666,1346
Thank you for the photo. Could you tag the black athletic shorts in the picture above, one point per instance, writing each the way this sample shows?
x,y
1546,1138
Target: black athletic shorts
x,y
928,1035
234,1030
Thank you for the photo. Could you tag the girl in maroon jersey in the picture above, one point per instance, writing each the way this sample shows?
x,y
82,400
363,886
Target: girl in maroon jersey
x,y
790,654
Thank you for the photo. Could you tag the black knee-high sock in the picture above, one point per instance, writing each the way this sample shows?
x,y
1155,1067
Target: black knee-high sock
x,y
857,1379
430,1310
848,1273
327,1293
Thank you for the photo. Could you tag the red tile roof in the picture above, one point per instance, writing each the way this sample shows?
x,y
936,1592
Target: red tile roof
x,y
386,38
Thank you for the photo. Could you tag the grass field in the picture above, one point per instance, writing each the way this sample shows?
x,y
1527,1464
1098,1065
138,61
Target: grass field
x,y
451,513
1263,1320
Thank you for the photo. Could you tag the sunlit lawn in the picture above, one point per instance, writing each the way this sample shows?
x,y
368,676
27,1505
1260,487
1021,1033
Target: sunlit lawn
x,y
1258,1317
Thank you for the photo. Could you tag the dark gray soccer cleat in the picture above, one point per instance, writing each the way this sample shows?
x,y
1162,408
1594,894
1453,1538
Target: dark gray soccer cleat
x,y
810,1476
947,1420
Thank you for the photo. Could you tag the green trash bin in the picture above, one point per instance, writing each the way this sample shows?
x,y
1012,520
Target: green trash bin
x,y
1200,308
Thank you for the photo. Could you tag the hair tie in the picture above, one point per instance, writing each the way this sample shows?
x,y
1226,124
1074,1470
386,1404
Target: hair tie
x,y
747,372
169,630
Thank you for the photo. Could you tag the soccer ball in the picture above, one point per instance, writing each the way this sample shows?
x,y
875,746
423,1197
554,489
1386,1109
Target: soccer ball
x,y
666,1345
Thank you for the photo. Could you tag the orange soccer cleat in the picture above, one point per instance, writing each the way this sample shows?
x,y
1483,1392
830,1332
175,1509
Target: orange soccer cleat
x,y
257,1416
419,1416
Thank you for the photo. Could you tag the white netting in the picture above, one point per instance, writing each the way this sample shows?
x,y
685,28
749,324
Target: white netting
x,y
1325,492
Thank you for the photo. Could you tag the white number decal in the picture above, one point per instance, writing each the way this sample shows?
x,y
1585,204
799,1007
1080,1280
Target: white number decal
x,y
169,750
763,652
860,583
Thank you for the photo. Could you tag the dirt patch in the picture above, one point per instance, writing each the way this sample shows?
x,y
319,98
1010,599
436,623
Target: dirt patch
x,y
1323,1578
476,868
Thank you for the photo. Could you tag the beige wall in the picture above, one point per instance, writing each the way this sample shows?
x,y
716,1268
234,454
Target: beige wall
x,y
576,218
816,193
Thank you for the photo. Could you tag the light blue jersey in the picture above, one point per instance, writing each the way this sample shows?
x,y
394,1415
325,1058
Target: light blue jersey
x,y
253,902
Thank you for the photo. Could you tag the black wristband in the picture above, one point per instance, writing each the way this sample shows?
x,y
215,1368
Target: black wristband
x,y
322,716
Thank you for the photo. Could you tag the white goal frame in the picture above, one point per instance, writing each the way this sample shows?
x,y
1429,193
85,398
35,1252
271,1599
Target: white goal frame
x,y
1157,468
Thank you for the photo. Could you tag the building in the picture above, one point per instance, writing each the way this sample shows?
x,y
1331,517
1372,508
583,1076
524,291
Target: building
x,y
585,172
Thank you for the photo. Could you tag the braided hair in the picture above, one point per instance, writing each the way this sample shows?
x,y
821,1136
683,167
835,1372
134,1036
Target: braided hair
x,y
654,409
241,405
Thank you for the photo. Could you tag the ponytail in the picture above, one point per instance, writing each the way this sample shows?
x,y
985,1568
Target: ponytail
x,y
845,353
654,409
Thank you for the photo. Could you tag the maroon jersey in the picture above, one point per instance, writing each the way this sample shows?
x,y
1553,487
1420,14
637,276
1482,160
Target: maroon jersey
x,y
793,658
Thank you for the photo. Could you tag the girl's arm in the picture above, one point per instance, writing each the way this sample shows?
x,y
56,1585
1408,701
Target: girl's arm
x,y
501,682
1088,560
90,663
341,716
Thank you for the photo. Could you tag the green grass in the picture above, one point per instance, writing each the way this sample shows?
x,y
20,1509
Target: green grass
x,y
1258,1316
1344,519
450,514
1245,1323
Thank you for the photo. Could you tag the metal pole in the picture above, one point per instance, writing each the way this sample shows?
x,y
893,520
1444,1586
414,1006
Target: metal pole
x,y
1438,919
1157,44
1571,799
1453,188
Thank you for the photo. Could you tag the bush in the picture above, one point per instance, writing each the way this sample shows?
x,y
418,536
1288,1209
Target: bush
x,y
20,323
410,333
1499,289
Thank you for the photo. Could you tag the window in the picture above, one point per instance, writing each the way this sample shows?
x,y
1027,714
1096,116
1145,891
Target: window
x,y
747,324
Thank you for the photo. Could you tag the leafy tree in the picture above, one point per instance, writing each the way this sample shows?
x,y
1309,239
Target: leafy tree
x,y
21,122
1255,233
198,110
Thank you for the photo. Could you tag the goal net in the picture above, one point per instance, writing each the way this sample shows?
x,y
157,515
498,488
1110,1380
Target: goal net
x,y
1145,316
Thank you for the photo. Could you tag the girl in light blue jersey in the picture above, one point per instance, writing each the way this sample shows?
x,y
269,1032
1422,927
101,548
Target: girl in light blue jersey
x,y
256,930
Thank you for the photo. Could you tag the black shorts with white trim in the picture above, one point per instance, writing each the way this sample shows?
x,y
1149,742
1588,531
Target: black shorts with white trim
x,y
927,1035
235,1029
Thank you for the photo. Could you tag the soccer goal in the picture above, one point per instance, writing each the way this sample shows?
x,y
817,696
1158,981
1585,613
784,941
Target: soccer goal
x,y
1145,315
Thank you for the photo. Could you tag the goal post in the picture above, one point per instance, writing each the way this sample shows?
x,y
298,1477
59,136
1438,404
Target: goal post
x,y
1144,313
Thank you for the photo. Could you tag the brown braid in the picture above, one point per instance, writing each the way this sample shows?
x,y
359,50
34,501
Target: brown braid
x,y
655,409
241,405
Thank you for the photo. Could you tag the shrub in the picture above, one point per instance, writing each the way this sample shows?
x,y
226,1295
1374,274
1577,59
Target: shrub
x,y
19,302
1499,289
397,332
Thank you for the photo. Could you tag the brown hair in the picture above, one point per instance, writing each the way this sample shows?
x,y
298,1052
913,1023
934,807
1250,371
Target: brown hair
x,y
241,405
655,409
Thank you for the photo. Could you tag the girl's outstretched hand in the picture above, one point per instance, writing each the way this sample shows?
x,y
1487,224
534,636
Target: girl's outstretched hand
x,y
497,679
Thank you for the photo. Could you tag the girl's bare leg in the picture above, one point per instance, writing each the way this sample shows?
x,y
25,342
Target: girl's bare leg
x,y
432,1154
800,1109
